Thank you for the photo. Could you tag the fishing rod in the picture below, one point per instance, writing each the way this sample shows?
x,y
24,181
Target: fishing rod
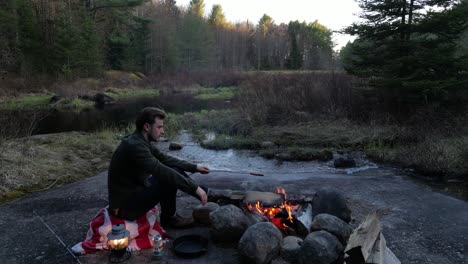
x,y
240,172
59,239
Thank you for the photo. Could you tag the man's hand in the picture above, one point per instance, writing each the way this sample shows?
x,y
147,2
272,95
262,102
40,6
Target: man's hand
x,y
203,169
202,195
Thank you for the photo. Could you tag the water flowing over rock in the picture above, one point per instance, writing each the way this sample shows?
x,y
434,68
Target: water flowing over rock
x,y
320,247
228,223
346,162
175,146
261,243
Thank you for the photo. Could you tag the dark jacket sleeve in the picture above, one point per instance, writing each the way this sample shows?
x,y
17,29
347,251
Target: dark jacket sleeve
x,y
143,158
173,161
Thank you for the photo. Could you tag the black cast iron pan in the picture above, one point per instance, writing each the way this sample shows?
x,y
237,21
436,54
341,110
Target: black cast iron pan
x,y
190,246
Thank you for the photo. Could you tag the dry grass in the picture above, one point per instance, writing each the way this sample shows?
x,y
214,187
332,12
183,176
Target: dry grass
x,y
281,98
34,163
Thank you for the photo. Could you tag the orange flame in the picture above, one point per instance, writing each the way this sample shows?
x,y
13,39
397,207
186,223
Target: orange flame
x,y
271,212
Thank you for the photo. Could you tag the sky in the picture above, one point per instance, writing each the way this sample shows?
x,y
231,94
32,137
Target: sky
x,y
334,14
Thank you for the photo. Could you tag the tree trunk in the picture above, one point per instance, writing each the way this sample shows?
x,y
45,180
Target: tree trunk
x,y
410,20
403,18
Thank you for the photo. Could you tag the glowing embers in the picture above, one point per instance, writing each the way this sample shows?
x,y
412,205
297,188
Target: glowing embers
x,y
281,215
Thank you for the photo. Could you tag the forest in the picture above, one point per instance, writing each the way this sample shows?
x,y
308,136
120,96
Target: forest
x,y
76,38
398,91
418,47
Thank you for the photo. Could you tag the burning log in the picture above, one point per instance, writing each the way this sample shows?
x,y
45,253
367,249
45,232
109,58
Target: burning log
x,y
267,199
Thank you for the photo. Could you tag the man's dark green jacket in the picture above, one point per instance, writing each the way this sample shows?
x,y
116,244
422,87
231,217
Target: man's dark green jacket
x,y
134,161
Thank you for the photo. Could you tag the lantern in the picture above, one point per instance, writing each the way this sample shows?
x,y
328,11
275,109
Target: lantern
x,y
118,242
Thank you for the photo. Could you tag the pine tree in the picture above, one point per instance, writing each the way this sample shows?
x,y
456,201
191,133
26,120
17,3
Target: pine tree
x,y
409,49
197,8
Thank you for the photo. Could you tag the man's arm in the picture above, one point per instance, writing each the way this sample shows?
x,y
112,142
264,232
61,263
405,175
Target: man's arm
x,y
173,161
143,158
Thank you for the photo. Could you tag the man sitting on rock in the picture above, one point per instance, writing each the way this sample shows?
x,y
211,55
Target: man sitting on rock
x,y
140,176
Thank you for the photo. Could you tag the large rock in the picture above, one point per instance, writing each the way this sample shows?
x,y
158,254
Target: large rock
x,y
201,213
344,162
291,248
329,201
320,247
333,225
261,243
102,99
228,223
175,146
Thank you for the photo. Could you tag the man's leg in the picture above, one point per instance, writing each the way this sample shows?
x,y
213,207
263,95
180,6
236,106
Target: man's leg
x,y
168,203
141,202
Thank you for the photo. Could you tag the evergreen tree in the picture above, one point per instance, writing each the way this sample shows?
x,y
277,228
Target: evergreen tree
x,y
294,61
197,8
408,48
194,43
30,40
8,32
218,19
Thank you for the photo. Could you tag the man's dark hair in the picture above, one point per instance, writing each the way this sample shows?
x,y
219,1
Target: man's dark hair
x,y
147,115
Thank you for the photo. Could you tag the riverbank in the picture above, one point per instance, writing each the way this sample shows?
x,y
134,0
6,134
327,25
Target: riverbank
x,y
437,158
41,162
277,116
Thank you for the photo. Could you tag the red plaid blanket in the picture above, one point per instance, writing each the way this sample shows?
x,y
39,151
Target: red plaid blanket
x,y
141,231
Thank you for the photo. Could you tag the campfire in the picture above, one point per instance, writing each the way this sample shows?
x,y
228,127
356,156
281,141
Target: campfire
x,y
292,217
276,214
290,214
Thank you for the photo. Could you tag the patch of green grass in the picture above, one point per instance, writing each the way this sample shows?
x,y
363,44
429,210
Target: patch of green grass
x,y
218,93
122,94
30,101
74,104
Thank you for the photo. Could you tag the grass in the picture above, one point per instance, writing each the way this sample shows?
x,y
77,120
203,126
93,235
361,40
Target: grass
x,y
44,161
218,93
26,102
72,103
122,94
